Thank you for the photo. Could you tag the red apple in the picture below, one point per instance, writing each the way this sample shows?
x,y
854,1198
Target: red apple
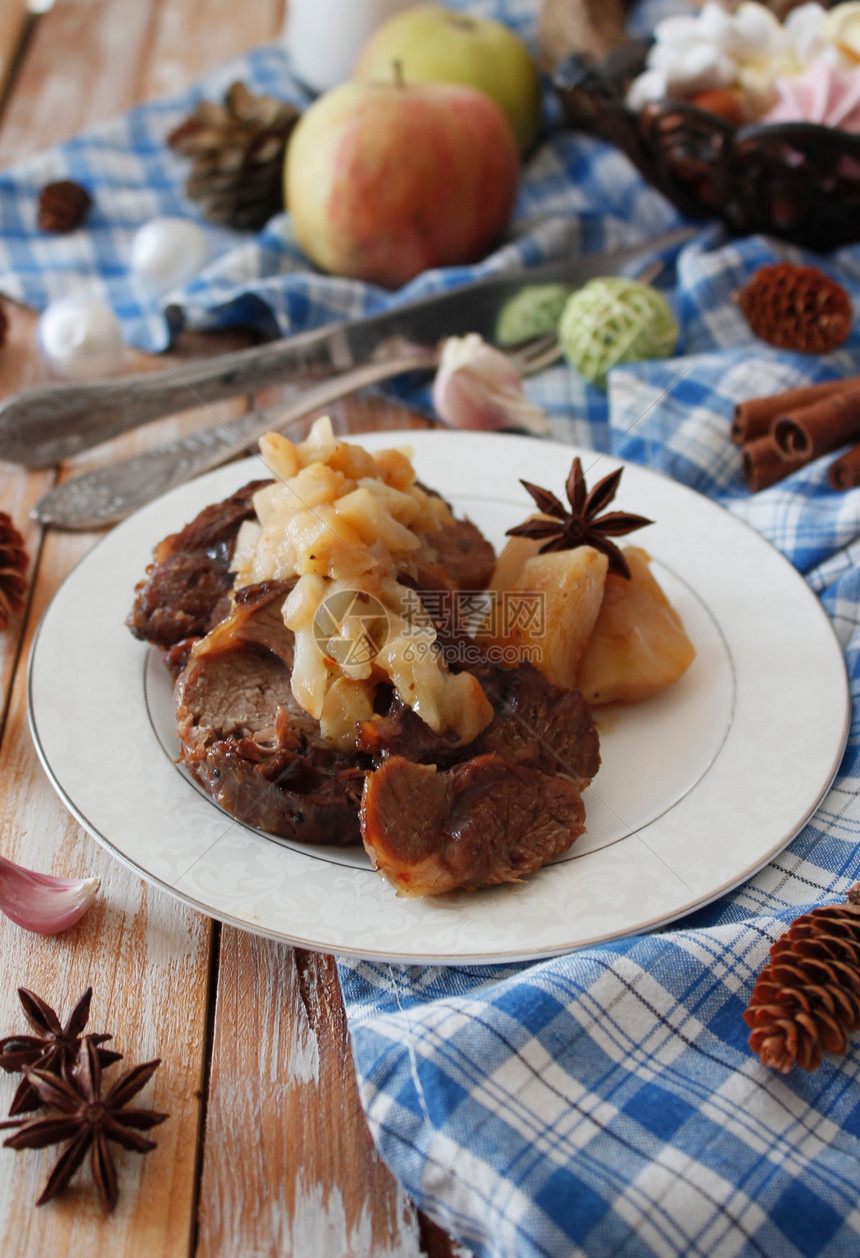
x,y
384,180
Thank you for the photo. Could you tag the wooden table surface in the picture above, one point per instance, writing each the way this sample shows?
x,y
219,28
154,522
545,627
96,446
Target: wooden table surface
x,y
266,1151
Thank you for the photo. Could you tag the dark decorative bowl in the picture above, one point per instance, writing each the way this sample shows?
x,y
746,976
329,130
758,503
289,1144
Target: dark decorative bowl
x,y
796,180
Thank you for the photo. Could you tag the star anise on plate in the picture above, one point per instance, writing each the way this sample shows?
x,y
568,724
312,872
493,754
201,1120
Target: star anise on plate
x,y
582,525
88,1120
52,1050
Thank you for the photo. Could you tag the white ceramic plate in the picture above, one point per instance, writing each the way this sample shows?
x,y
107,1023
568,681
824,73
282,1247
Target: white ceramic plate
x,y
698,788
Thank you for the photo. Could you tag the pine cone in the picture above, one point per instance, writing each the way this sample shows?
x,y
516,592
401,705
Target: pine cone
x,y
13,565
237,153
796,307
807,999
63,206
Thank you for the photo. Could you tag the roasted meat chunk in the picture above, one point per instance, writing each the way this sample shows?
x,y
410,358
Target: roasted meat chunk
x,y
535,724
186,589
247,741
483,822
463,559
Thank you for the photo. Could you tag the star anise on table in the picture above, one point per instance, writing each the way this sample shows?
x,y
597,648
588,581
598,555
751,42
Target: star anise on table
x,y
52,1050
582,525
88,1120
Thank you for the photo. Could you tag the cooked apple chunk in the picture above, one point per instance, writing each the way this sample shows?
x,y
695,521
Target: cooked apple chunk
x,y
552,608
510,562
638,645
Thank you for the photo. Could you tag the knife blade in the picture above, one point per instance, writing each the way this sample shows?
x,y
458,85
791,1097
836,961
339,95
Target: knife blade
x,y
42,426
108,494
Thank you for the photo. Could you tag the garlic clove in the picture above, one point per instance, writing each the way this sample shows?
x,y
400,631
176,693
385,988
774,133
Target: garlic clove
x,y
476,387
43,903
80,336
167,252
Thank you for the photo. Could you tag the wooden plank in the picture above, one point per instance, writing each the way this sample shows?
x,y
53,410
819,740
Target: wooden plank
x,y
82,66
146,958
194,35
14,19
289,1166
89,60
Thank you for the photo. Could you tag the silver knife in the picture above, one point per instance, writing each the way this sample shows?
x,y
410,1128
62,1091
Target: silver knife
x,y
42,426
108,494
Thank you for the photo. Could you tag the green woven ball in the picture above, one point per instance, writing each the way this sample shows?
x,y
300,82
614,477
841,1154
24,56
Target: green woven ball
x,y
615,320
531,312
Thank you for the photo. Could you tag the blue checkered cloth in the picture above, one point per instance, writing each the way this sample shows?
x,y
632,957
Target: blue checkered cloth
x,y
604,1102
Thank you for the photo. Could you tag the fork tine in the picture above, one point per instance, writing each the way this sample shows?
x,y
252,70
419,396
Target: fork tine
x,y
532,356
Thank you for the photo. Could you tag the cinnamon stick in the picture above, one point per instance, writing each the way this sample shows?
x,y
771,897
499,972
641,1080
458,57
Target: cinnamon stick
x,y
820,427
764,463
844,472
753,418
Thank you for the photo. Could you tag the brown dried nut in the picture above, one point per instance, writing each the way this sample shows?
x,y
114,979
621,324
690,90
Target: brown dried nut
x,y
63,206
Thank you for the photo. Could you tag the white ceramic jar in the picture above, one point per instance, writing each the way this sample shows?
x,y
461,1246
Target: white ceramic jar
x,y
324,37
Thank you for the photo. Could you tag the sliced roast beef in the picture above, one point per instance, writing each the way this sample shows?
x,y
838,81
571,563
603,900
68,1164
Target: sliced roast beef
x,y
534,724
247,741
462,558
481,823
186,589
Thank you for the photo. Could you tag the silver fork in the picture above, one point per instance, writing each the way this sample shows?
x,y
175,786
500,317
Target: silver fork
x,y
108,494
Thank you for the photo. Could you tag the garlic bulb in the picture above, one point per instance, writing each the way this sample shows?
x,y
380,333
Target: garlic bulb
x,y
41,902
80,336
476,387
167,252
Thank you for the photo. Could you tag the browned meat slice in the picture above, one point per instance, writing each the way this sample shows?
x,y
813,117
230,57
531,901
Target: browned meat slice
x,y
186,588
539,724
535,724
463,559
481,823
257,620
247,741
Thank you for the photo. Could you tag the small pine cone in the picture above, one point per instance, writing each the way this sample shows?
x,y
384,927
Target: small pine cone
x,y
13,566
807,999
237,154
796,307
63,206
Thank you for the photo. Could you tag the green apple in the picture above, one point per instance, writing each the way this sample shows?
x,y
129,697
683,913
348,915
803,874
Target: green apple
x,y
434,44
385,180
